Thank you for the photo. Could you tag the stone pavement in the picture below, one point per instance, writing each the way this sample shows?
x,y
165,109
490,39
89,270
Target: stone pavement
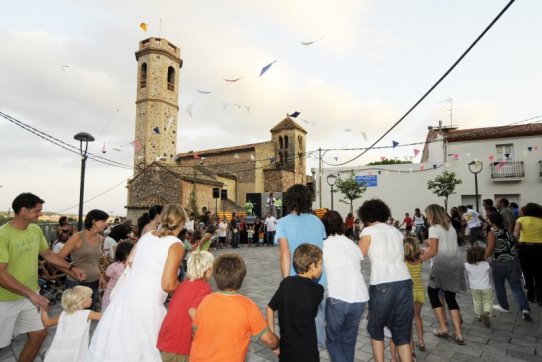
x,y
509,338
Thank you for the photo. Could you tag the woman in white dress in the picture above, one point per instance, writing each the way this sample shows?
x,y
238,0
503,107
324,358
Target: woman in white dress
x,y
129,328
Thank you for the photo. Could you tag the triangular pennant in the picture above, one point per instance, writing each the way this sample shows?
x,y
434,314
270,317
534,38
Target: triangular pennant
x,y
416,151
507,155
336,159
232,80
395,143
491,158
422,167
434,167
189,109
530,148
103,148
203,92
294,115
364,135
266,68
535,148
156,130
143,27
455,156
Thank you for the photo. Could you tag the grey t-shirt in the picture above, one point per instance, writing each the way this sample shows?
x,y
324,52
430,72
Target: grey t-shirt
x,y
509,219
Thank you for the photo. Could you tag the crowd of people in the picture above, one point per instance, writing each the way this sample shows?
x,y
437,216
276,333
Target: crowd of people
x,y
158,303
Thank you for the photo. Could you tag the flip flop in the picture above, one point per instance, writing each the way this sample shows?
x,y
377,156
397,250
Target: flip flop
x,y
420,346
438,333
459,340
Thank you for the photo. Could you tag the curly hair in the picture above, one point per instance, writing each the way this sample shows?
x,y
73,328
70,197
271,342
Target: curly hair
x,y
374,210
333,223
198,264
298,198
73,299
532,209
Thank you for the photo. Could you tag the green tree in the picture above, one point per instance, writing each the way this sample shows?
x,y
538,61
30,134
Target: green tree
x,y
350,189
444,185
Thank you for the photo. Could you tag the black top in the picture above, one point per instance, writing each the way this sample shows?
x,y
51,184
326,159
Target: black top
x,y
297,301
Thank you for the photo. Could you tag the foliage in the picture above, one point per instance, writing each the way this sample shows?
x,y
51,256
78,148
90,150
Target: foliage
x,y
193,202
444,185
350,189
387,162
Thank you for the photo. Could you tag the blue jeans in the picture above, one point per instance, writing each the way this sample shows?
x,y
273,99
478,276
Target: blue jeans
x,y
95,286
342,322
511,271
320,321
270,237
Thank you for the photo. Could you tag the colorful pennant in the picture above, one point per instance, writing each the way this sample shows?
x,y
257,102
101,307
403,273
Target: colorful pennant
x,y
266,68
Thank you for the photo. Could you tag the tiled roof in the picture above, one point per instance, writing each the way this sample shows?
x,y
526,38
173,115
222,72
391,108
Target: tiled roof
x,y
249,146
473,134
287,123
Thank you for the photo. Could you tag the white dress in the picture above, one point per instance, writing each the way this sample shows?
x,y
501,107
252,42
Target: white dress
x,y
128,329
71,338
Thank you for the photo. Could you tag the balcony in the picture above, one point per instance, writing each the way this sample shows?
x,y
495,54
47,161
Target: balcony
x,y
507,171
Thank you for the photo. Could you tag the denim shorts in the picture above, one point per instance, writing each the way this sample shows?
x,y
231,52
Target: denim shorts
x,y
391,305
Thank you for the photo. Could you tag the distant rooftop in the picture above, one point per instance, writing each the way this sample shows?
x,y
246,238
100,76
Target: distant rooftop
x,y
287,123
473,134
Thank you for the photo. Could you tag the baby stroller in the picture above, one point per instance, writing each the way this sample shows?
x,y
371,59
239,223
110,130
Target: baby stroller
x,y
49,291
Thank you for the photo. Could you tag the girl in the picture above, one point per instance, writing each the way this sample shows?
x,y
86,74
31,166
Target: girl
x,y
72,333
115,270
414,265
482,294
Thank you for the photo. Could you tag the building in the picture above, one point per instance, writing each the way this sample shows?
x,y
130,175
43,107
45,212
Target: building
x,y
510,159
239,173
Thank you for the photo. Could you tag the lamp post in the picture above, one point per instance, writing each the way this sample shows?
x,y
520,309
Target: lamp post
x,y
475,167
331,181
82,137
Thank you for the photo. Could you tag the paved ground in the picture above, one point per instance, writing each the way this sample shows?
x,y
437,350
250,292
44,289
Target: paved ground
x,y
509,338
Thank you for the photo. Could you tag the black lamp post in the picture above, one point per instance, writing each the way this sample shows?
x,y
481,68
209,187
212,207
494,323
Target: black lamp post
x,y
83,138
331,181
475,167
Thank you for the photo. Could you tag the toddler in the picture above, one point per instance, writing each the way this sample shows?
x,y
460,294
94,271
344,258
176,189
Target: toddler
x,y
482,294
115,270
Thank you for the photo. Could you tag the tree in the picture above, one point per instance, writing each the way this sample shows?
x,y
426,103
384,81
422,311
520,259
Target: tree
x,y
444,185
193,202
350,189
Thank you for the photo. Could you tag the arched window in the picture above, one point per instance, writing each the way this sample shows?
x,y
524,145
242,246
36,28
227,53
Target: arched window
x,y
280,142
143,79
285,141
171,78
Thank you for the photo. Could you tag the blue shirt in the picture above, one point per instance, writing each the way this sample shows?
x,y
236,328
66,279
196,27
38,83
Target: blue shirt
x,y
299,229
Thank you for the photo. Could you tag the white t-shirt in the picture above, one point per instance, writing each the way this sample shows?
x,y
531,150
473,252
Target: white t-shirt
x,y
271,223
419,220
447,241
110,246
222,229
478,275
189,225
342,258
386,253
471,217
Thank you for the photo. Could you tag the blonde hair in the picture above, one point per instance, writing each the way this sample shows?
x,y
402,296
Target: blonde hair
x,y
438,216
73,299
198,264
172,216
412,249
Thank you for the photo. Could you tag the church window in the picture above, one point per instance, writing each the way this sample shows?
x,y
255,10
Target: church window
x,y
171,78
285,141
280,142
143,80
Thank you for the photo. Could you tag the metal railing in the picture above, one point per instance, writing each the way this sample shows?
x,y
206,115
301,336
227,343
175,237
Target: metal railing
x,y
509,169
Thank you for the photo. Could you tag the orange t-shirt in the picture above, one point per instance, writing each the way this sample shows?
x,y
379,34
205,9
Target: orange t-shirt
x,y
224,324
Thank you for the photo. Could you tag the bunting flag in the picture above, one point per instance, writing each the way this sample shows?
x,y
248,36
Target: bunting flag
x,y
500,165
232,80
395,143
455,156
189,109
156,130
491,158
103,148
535,148
416,151
294,115
434,167
136,145
507,155
364,135
203,92
422,167
307,43
266,68
143,26
196,156
117,149
530,148
379,172
336,159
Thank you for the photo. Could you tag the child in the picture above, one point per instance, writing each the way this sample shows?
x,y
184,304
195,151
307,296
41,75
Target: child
x,y
414,265
72,333
225,320
175,337
297,301
115,270
482,294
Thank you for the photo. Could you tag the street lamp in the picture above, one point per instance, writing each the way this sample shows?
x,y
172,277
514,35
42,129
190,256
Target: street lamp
x,y
331,181
475,167
82,137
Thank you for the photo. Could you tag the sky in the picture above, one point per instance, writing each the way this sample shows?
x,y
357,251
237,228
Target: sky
x,y
69,66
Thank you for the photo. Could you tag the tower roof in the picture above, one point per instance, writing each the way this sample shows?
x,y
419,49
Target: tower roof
x,y
286,124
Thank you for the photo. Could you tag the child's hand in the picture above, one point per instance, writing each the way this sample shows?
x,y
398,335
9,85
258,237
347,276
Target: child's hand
x,y
276,352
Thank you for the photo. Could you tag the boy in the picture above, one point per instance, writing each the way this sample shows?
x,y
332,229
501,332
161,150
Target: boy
x,y
297,301
225,320
175,337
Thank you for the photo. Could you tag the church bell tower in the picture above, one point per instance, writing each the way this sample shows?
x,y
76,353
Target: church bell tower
x,y
157,102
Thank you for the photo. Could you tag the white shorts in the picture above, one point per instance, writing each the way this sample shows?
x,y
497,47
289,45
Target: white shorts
x,y
17,317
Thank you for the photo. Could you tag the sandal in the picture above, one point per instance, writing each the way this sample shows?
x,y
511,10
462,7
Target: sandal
x,y
420,346
438,333
459,340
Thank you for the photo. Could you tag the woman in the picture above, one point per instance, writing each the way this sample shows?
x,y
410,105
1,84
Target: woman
x,y
446,271
222,231
419,224
349,223
129,328
85,249
149,221
528,231
391,302
501,247
348,293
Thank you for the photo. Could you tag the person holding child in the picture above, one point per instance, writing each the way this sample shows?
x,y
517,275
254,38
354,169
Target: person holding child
x,y
297,300
226,320
482,294
175,337
390,288
348,294
73,325
129,328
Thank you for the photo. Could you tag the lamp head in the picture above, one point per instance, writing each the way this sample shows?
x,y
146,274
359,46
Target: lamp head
x,y
84,137
331,179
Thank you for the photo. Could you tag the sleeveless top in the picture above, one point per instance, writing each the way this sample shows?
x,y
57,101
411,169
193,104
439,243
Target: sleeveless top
x,y
418,220
70,343
505,246
415,271
87,257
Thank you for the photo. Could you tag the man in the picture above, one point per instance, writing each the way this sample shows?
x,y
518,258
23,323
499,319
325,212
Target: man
x,y
20,243
270,229
472,218
507,214
299,227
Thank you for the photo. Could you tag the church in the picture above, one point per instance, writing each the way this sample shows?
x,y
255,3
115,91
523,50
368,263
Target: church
x,y
222,178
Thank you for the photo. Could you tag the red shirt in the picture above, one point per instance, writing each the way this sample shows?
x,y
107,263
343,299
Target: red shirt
x,y
408,221
176,332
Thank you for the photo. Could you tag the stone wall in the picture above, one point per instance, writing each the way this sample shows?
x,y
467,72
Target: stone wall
x,y
277,180
151,182
204,195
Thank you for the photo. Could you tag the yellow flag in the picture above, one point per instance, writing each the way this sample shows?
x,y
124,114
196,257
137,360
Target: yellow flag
x,y
143,27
